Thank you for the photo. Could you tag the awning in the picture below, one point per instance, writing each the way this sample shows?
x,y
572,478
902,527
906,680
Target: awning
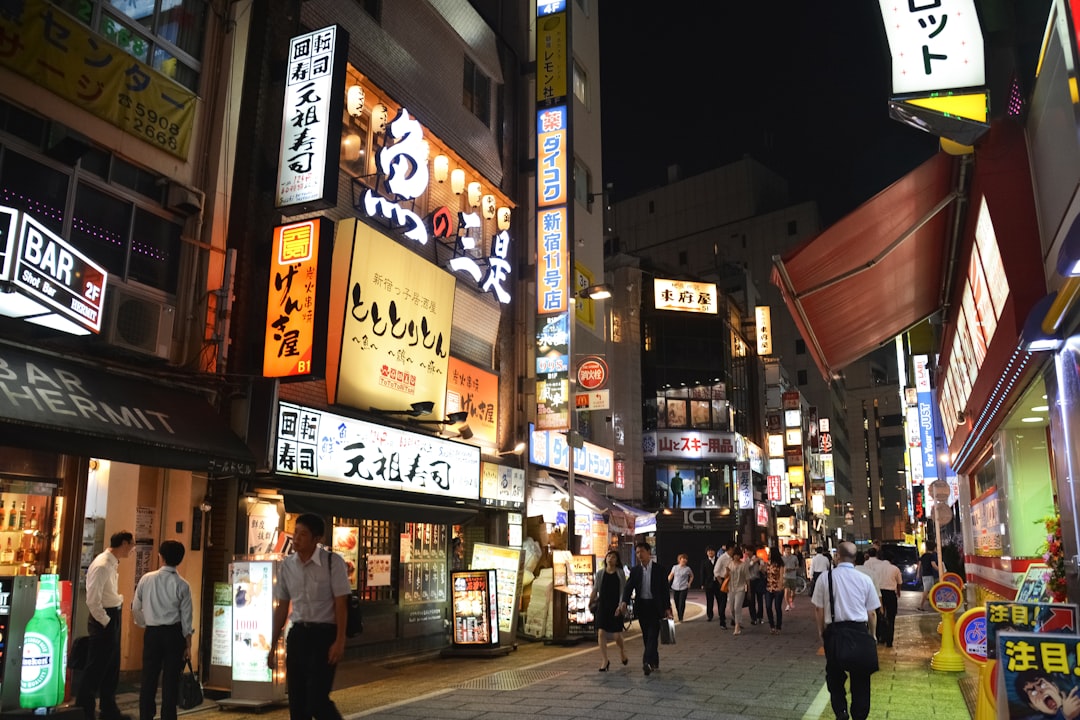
x,y
333,505
875,273
59,405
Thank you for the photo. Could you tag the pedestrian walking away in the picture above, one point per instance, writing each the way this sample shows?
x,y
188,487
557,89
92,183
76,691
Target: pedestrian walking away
x,y
855,603
774,590
820,563
709,584
105,604
756,588
606,596
928,569
681,578
316,583
889,581
651,594
162,605
720,572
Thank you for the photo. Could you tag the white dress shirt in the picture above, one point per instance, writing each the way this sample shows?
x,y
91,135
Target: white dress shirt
x,y
163,598
101,586
854,594
308,585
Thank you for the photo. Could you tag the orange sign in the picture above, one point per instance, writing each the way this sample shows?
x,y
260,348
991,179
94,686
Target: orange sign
x,y
292,314
475,391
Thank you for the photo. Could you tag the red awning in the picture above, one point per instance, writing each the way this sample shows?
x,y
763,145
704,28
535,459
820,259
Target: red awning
x,y
875,273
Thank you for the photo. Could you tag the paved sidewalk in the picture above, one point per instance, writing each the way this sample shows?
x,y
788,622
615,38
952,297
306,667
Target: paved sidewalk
x,y
707,674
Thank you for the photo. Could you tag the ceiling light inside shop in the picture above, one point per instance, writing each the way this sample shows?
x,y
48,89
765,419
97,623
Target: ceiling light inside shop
x,y
1040,408
1033,419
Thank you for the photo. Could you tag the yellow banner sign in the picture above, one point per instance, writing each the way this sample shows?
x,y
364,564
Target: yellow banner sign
x,y
475,391
551,57
391,314
44,44
290,303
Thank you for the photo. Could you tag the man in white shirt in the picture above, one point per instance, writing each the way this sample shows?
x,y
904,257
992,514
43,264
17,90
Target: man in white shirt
x,y
162,605
855,602
820,563
104,602
889,581
315,582
720,572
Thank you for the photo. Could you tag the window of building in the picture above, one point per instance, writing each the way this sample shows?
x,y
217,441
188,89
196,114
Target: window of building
x,y
793,227
581,84
802,377
110,209
800,347
582,183
476,93
165,34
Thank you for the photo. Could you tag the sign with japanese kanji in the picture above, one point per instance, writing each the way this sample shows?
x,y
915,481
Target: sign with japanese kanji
x,y
475,391
685,296
1034,617
311,120
1038,675
552,51
57,52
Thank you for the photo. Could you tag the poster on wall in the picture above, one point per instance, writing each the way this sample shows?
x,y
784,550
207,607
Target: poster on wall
x,y
221,626
346,540
253,616
378,571
1034,617
262,525
1038,675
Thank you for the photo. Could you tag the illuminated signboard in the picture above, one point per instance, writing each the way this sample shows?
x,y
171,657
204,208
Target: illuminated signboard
x,y
296,302
792,418
793,436
684,296
475,391
314,443
56,275
552,259
311,119
552,51
253,620
552,136
502,486
763,318
390,320
934,45
549,449
926,419
9,229
693,445
553,372
776,445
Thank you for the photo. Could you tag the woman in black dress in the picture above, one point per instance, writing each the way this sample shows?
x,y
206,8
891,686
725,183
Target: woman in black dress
x,y
606,594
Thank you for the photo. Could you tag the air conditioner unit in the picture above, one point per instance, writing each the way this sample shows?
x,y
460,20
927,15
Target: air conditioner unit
x,y
137,322
183,199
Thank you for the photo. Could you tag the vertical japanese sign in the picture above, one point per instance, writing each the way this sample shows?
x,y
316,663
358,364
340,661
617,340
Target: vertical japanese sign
x,y
296,302
311,119
928,456
475,391
763,319
551,51
59,53
253,619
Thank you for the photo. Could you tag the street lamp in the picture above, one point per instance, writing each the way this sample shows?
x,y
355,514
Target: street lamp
x,y
574,441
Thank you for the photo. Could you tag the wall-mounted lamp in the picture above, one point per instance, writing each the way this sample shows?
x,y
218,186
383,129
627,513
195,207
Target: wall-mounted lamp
x,y
351,149
442,168
487,205
518,450
457,181
354,100
596,292
417,409
1034,338
503,216
380,116
474,194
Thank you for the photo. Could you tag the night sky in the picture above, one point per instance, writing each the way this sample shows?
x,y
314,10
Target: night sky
x,y
800,86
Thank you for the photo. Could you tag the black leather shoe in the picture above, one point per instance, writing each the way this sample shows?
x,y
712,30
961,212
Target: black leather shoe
x,y
647,668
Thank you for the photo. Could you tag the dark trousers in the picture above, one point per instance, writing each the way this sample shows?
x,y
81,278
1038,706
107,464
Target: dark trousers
x,y
835,678
102,671
162,655
774,606
648,615
757,599
887,616
308,675
712,595
680,603
721,596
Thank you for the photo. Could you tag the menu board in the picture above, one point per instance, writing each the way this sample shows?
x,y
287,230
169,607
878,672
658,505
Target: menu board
x,y
506,561
475,607
346,542
580,584
221,626
253,617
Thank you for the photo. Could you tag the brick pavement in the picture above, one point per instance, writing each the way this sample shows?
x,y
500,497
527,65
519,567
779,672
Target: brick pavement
x,y
708,674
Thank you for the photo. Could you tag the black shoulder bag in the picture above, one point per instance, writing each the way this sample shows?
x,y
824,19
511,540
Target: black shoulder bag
x,y
848,645
354,618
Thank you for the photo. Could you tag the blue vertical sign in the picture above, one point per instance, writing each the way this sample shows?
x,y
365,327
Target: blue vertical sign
x,y
926,418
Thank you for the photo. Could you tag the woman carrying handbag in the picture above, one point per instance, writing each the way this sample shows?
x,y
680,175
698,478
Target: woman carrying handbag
x,y
604,602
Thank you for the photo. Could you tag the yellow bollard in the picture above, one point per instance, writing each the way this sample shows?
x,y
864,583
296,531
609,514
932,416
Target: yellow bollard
x,y
986,703
945,599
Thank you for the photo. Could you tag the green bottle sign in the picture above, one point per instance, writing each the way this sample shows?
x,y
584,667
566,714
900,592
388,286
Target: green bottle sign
x,y
43,658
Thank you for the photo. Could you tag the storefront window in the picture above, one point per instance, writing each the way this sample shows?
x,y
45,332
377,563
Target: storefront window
x,y
423,563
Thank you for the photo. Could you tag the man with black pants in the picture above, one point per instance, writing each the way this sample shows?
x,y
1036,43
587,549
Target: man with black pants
x,y
162,605
648,585
890,580
855,603
709,584
316,582
104,602
720,573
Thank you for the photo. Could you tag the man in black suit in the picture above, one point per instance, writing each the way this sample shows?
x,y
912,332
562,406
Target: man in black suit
x,y
648,585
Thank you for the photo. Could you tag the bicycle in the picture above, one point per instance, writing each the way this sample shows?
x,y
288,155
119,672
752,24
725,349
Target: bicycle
x,y
801,585
628,617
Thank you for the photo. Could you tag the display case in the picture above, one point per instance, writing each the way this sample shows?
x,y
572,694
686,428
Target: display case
x,y
507,564
29,528
423,563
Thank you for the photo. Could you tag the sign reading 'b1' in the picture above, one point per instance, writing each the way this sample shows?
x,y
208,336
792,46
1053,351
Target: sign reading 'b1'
x,y
592,373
